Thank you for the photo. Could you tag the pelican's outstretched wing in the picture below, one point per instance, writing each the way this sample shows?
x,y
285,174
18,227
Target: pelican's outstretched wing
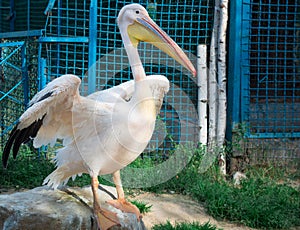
x,y
48,116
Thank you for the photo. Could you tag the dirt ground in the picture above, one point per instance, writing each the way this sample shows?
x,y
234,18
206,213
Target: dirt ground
x,y
179,208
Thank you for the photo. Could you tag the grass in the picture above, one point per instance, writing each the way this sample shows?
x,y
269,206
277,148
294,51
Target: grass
x,y
184,226
262,201
28,171
143,207
259,202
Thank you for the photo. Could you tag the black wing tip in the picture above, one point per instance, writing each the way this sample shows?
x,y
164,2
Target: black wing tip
x,y
9,144
18,137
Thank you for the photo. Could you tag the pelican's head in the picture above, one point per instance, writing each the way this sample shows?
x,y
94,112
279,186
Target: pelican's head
x,y
134,20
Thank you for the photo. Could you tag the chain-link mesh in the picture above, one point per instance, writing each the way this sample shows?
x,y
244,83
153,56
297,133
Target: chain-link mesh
x,y
12,82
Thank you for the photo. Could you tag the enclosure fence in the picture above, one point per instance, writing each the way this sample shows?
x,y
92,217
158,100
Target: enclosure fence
x,y
266,40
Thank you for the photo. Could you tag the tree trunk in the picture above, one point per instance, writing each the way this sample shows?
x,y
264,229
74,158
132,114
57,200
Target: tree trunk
x,y
222,80
202,93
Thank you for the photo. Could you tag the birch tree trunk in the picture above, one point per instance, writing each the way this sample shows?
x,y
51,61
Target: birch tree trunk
x,y
217,90
211,153
222,80
213,84
202,93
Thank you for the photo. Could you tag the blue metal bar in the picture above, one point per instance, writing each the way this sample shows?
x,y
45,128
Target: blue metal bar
x,y
6,44
92,47
234,70
59,15
245,64
275,135
12,89
25,76
1,13
10,97
64,39
17,34
12,53
49,6
13,66
28,15
43,77
13,15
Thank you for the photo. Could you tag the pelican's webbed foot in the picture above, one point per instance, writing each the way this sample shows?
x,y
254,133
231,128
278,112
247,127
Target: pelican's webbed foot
x,y
105,219
125,206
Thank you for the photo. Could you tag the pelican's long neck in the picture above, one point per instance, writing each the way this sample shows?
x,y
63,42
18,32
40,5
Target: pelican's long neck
x,y
142,94
133,56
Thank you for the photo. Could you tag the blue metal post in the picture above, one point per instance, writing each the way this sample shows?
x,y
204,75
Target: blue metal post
x,y
234,67
244,62
49,6
1,13
59,16
28,14
12,15
42,78
25,76
238,65
92,47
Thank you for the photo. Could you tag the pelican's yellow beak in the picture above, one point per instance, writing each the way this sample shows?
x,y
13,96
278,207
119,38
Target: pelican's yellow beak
x,y
145,29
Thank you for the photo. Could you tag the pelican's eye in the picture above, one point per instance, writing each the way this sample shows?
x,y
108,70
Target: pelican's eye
x,y
137,12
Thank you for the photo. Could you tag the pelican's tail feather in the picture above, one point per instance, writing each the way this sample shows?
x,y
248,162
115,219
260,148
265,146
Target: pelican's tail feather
x,y
56,178
60,176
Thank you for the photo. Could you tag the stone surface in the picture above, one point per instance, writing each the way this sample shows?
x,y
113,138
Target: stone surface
x,y
41,208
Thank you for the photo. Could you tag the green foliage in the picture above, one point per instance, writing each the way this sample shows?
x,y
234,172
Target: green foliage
x,y
143,207
28,171
85,180
142,163
184,226
257,203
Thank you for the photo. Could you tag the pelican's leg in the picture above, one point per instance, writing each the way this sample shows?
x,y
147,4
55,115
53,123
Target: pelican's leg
x,y
105,219
121,203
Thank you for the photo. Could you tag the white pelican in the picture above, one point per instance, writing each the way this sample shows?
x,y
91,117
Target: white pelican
x,y
104,132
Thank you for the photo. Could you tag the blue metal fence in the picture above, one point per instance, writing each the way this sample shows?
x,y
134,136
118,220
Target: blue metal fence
x,y
270,84
17,62
12,89
264,74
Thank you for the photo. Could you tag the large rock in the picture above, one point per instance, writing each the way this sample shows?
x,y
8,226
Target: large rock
x,y
41,208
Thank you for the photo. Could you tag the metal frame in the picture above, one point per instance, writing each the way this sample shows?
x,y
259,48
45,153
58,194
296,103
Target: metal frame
x,y
24,80
239,72
234,70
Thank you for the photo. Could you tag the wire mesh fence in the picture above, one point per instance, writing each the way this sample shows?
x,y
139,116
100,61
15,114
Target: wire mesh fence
x,y
270,82
18,71
274,70
21,15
